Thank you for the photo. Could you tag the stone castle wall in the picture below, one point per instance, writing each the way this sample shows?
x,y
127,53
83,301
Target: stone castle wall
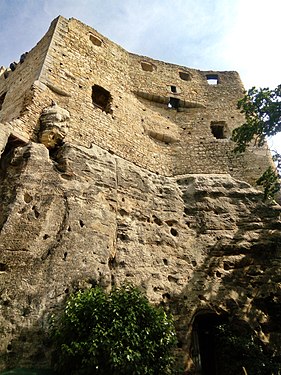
x,y
18,84
139,125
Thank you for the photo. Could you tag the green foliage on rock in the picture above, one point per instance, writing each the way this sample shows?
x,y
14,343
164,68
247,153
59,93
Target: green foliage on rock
x,y
115,333
262,111
270,181
242,349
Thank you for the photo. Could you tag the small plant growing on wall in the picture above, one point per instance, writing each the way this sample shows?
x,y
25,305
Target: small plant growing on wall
x,y
116,333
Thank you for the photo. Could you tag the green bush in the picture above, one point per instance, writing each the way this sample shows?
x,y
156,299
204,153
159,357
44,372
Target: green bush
x,y
238,350
116,333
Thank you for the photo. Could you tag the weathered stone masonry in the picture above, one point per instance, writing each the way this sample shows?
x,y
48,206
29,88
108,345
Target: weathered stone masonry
x,y
118,167
65,67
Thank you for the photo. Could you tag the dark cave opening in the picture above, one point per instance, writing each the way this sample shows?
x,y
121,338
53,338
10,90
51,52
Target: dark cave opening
x,y
204,349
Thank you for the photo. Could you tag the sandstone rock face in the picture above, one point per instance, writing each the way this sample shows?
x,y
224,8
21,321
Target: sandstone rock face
x,y
84,217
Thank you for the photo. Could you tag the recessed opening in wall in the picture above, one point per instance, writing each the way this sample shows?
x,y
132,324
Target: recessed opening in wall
x,y
147,67
101,98
3,267
218,129
173,89
174,103
205,350
184,76
12,143
212,79
95,40
2,98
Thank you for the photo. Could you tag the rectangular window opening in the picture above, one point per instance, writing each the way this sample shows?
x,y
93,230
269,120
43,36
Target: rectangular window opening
x,y
2,98
218,131
174,103
101,98
212,79
173,89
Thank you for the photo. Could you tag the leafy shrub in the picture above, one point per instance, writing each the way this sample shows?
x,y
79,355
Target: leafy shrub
x,y
262,109
243,350
116,333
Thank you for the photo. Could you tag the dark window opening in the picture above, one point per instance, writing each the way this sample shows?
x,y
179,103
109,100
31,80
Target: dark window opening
x,y
5,163
184,76
204,349
173,89
2,98
212,79
101,98
146,66
174,103
95,40
3,267
218,130
12,143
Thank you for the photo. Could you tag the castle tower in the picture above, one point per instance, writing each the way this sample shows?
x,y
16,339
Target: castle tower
x,y
163,117
119,167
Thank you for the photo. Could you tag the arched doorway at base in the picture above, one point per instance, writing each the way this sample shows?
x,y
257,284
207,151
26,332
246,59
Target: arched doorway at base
x,y
204,349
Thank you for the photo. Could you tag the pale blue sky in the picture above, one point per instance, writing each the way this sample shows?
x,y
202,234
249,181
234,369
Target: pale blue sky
x,y
241,35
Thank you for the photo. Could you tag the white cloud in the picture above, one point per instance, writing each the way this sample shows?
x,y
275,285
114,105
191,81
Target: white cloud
x,y
253,44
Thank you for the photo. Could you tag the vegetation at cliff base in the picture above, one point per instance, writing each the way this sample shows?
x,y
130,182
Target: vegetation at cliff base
x,y
240,350
262,111
116,333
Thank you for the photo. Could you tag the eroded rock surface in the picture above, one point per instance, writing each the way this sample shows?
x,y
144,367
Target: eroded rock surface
x,y
79,217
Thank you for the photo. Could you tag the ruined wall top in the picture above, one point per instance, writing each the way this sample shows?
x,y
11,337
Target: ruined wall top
x,y
163,117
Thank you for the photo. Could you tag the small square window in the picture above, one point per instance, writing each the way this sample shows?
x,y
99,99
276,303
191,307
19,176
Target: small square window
x,y
212,79
174,103
218,130
173,89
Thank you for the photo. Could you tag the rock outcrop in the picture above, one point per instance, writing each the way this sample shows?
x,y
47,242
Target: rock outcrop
x,y
82,217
